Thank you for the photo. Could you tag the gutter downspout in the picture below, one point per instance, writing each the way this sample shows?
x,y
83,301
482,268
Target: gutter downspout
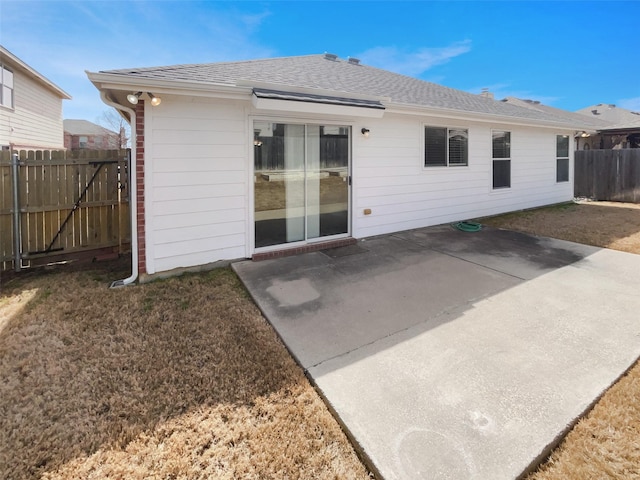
x,y
133,195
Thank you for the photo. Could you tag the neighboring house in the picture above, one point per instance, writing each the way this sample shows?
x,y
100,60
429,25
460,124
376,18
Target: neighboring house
x,y
247,159
30,107
82,134
622,129
622,135
583,140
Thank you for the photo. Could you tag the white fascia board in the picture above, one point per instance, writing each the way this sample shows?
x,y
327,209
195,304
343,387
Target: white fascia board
x,y
11,60
315,108
480,117
105,81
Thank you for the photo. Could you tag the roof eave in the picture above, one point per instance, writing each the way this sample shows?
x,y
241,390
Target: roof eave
x,y
17,63
455,114
110,81
244,89
620,130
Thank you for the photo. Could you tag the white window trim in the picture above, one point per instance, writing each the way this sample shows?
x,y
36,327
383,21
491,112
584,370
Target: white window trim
x,y
448,165
251,236
13,87
509,159
568,158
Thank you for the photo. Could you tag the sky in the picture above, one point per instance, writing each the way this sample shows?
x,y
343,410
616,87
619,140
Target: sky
x,y
569,55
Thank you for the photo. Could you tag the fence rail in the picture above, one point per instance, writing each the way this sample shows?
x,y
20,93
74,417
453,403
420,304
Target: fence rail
x,y
68,201
612,175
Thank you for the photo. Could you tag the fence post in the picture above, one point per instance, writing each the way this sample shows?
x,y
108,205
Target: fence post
x,y
17,240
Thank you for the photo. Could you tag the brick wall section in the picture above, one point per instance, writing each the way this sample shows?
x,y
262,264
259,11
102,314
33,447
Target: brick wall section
x,y
312,247
139,185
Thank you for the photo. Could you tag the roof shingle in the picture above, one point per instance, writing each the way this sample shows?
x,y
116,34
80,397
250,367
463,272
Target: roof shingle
x,y
324,73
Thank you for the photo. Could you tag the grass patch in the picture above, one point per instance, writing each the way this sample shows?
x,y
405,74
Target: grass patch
x,y
183,378
601,224
180,378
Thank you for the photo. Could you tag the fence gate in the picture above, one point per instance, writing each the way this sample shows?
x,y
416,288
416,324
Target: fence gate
x,y
62,202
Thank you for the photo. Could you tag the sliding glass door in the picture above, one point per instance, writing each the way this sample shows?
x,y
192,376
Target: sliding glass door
x,y
301,182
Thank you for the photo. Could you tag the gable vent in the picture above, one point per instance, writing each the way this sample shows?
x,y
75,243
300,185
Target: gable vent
x,y
330,56
354,61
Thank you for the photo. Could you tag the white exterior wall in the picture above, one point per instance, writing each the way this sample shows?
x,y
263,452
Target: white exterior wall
x,y
389,176
36,120
196,201
198,167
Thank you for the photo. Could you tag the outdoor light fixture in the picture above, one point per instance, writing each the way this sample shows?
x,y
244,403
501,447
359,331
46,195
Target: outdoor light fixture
x,y
133,98
256,140
155,101
365,132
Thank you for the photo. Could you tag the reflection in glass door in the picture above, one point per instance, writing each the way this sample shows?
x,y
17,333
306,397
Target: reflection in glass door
x,y
301,187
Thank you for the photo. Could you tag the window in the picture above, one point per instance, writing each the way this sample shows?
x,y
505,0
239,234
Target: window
x,y
6,87
562,158
83,141
501,159
445,147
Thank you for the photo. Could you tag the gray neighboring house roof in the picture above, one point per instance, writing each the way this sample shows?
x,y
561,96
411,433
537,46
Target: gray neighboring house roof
x,y
329,73
614,117
594,122
85,127
624,126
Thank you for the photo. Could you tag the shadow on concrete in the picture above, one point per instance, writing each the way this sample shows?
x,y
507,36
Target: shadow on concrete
x,y
462,354
325,304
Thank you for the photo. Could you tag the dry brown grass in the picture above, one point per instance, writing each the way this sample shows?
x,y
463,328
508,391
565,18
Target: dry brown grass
x,y
606,443
183,378
180,378
602,224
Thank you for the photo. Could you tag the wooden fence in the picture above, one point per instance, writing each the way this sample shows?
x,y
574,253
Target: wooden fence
x,y
612,175
68,201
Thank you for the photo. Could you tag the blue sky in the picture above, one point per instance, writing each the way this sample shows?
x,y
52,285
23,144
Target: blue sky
x,y
566,54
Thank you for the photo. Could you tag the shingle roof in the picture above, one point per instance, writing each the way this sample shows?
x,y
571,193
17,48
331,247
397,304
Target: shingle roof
x,y
342,76
624,126
574,117
614,117
85,127
308,97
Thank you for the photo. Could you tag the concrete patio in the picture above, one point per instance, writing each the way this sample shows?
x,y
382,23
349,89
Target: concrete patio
x,y
455,355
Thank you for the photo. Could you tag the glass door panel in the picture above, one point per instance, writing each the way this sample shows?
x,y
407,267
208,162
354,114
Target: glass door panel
x,y
301,188
333,178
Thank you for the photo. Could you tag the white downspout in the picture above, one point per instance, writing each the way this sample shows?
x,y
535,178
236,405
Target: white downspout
x,y
133,195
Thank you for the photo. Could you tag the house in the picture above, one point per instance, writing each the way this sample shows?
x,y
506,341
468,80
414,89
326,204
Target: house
x,y
82,134
621,135
622,129
255,158
583,140
30,107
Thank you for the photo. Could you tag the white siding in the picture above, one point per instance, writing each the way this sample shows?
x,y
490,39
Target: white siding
x,y
196,160
389,177
36,121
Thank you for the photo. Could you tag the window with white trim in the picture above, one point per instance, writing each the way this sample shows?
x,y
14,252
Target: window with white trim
x,y
6,87
446,147
501,147
562,158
